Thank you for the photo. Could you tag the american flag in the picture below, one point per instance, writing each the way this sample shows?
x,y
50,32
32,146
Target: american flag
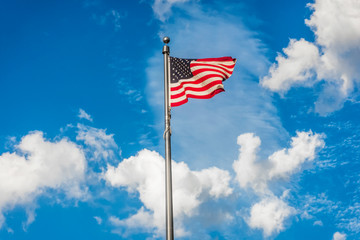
x,y
198,78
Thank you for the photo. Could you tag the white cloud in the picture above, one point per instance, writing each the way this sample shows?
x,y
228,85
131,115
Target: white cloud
x,y
84,115
297,66
306,215
144,173
349,217
30,212
142,220
116,17
269,215
281,164
98,220
314,205
248,172
346,216
99,144
38,165
113,16
162,8
333,58
339,236
202,127
2,219
271,212
318,223
288,161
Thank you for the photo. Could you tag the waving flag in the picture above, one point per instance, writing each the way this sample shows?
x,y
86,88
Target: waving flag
x,y
198,78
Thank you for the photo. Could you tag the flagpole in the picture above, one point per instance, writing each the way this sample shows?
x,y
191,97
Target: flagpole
x,y
167,137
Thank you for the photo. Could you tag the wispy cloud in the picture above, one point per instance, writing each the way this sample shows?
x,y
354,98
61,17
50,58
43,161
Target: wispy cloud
x,y
84,115
100,145
98,220
349,218
112,17
318,223
320,207
332,60
162,8
201,127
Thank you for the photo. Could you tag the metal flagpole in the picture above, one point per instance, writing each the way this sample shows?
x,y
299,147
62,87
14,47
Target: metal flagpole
x,y
167,136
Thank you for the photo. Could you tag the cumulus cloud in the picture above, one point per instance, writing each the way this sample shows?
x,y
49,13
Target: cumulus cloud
x,y
297,66
248,172
84,115
271,212
269,215
333,58
339,236
288,161
36,166
281,164
145,173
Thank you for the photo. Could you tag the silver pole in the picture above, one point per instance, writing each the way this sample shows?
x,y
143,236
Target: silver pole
x,y
167,136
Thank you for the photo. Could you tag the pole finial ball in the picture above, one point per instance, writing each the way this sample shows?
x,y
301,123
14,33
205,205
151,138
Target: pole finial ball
x,y
166,40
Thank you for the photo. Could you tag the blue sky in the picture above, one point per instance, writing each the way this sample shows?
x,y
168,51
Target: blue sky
x,y
274,157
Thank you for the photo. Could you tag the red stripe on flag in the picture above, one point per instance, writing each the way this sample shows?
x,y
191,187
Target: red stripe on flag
x,y
198,71
220,65
220,59
201,89
198,81
195,64
176,104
